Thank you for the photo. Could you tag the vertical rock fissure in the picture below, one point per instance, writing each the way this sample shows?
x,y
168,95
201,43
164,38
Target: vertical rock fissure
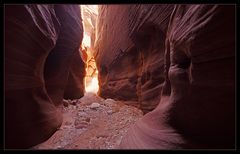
x,y
139,79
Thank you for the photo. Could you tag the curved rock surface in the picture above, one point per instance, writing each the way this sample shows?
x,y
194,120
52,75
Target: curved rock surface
x,y
65,55
75,85
31,32
40,42
197,107
129,52
176,61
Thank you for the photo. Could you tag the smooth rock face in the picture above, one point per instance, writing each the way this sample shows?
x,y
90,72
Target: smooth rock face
x,y
75,85
65,56
130,51
197,108
180,56
40,42
30,115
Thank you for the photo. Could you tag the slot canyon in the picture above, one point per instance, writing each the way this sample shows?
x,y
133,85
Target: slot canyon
x,y
132,76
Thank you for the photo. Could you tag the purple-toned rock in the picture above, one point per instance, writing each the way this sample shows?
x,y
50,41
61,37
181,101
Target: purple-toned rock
x,y
130,52
197,107
40,43
59,67
31,32
79,124
75,85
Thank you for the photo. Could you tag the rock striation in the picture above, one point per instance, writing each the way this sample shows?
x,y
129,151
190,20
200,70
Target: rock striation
x,y
197,107
129,52
40,42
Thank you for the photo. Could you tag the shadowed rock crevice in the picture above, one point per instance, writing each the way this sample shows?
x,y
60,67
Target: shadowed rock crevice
x,y
75,85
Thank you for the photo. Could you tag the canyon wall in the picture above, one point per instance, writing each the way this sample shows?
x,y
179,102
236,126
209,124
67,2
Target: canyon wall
x,y
64,55
177,60
40,41
129,51
197,107
75,87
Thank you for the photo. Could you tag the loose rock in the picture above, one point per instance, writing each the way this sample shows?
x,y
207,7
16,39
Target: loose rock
x,y
65,103
93,125
74,102
94,105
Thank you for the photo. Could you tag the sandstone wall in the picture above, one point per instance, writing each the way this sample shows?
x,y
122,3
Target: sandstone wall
x,y
129,52
40,43
197,107
63,56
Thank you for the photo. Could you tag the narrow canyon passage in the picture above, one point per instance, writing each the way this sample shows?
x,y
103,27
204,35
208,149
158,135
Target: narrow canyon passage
x,y
133,76
91,122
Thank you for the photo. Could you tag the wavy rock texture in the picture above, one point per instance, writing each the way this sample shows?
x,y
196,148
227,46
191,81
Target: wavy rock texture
x,y
179,58
129,52
42,47
197,104
31,32
61,58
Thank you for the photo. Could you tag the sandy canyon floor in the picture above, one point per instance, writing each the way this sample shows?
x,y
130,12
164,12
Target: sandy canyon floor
x,y
92,123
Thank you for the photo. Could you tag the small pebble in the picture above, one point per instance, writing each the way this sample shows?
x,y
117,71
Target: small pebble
x,y
58,147
68,123
94,105
82,114
65,103
87,119
74,102
109,112
81,125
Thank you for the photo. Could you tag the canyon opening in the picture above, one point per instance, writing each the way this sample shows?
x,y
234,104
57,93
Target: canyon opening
x,y
132,76
89,15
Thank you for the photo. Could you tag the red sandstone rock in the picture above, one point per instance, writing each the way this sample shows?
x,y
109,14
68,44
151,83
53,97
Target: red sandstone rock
x,y
129,52
197,104
64,63
38,39
31,31
196,76
75,86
